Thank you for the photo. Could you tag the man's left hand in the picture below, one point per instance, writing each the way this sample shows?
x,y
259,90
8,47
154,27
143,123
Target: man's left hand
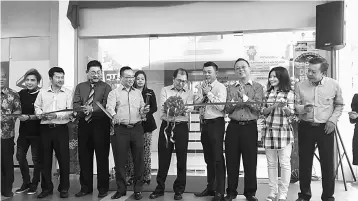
x,y
49,116
329,128
87,109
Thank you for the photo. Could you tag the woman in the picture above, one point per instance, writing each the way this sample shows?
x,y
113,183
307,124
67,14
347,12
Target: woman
x,y
149,126
277,131
353,118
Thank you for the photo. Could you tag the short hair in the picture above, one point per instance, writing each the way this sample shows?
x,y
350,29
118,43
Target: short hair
x,y
124,68
283,78
145,77
318,60
35,73
242,59
94,63
180,71
210,63
54,70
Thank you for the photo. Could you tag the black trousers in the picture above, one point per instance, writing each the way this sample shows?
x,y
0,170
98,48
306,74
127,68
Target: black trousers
x,y
55,139
122,140
23,144
7,165
181,137
93,137
308,137
212,139
355,145
241,140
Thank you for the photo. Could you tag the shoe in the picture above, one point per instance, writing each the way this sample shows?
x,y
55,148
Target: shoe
x,y
205,192
230,197
102,194
282,199
24,187
130,182
251,198
64,194
82,193
9,194
44,194
301,199
178,196
155,195
138,195
32,190
218,197
146,182
117,195
271,198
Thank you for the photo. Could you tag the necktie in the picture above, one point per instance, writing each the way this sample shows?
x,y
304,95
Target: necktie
x,y
203,109
90,103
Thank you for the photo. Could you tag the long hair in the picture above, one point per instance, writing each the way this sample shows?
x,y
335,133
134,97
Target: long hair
x,y
283,78
135,85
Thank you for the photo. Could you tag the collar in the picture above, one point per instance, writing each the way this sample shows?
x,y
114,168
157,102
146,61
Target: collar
x,y
125,89
4,90
321,82
213,83
49,89
175,89
248,82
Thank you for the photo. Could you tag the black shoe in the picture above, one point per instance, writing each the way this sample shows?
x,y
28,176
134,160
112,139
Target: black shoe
x,y
9,194
155,195
146,182
64,194
230,197
24,187
218,197
130,182
206,192
44,194
82,193
102,194
178,196
32,190
138,195
117,195
301,199
251,198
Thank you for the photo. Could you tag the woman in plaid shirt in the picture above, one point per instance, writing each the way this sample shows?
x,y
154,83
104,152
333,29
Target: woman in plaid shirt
x,y
277,132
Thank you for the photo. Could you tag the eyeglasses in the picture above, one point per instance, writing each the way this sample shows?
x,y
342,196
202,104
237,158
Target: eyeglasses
x,y
95,73
181,81
129,77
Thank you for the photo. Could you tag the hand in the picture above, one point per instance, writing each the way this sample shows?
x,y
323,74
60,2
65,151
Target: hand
x,y
353,115
308,108
187,110
240,92
24,117
87,109
274,106
145,109
206,89
329,128
49,116
286,110
115,119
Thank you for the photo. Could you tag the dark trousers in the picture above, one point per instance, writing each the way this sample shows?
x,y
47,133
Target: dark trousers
x,y
355,146
308,137
57,139
123,139
7,165
23,144
212,138
241,140
93,137
181,137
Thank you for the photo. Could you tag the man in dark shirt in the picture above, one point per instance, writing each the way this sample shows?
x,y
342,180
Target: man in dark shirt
x,y
93,130
29,133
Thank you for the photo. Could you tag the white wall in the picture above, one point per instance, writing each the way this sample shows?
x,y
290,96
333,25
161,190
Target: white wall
x,y
198,17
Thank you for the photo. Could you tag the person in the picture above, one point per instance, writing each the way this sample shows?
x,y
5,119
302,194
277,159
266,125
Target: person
x,y
10,104
93,130
54,131
353,118
319,103
212,131
29,133
180,137
126,106
277,133
149,126
241,133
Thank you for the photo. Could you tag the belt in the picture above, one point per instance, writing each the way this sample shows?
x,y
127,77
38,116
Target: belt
x,y
53,125
210,121
242,123
177,122
312,123
130,125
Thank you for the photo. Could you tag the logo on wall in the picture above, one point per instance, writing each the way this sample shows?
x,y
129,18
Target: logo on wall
x,y
251,52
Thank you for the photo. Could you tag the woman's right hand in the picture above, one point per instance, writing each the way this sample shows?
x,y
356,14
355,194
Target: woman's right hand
x,y
353,115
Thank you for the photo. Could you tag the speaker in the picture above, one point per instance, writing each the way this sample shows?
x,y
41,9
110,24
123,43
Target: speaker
x,y
330,26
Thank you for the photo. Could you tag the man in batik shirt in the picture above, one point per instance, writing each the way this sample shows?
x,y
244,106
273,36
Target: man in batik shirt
x,y
10,104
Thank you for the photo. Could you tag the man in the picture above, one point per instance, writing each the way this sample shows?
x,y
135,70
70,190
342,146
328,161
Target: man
x,y
93,130
181,137
126,105
241,133
212,131
54,131
10,104
29,133
319,104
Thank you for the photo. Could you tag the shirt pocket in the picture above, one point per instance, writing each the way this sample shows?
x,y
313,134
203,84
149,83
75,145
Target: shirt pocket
x,y
325,98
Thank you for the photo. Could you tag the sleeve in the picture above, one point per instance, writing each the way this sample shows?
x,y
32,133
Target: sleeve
x,y
77,98
291,102
38,104
354,106
17,104
66,115
153,103
230,108
337,105
299,107
190,100
220,97
111,102
258,97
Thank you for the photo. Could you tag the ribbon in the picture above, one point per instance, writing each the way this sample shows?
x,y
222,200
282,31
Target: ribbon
x,y
171,138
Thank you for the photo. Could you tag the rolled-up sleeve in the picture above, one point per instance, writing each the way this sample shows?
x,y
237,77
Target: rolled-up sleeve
x,y
299,107
111,102
66,115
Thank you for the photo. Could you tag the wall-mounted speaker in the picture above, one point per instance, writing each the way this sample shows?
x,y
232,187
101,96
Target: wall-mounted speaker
x,y
330,26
